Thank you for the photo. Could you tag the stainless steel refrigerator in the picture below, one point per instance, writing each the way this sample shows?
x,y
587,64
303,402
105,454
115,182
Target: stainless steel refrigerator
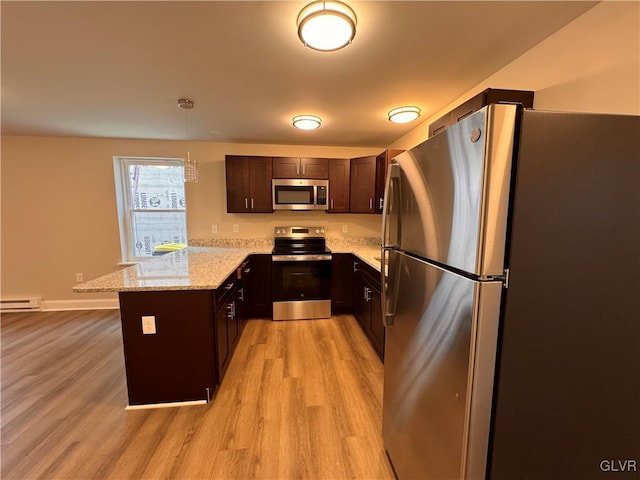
x,y
511,243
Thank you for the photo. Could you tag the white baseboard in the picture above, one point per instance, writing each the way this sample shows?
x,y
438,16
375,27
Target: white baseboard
x,y
88,304
165,405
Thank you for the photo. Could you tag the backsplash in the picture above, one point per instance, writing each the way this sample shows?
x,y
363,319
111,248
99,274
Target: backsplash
x,y
334,243
231,242
337,243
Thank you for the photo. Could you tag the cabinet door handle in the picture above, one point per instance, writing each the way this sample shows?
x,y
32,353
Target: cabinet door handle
x,y
332,204
241,294
246,203
247,270
252,204
228,286
381,202
297,170
304,170
367,291
371,204
355,266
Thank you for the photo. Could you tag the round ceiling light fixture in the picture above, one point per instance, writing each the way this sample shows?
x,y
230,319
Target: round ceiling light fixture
x,y
404,114
306,122
326,26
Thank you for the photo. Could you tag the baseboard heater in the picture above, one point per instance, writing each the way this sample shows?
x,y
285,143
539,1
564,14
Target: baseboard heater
x,y
20,305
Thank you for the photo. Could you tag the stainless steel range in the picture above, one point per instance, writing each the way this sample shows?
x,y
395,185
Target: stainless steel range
x,y
301,270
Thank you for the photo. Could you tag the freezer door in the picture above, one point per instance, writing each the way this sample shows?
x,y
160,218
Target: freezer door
x,y
451,194
439,369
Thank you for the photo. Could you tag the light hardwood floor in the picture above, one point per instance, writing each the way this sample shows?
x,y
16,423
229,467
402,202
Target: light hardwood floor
x,y
301,399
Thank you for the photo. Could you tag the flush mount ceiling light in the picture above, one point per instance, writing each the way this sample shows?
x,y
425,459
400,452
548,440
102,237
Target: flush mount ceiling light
x,y
404,114
326,26
306,122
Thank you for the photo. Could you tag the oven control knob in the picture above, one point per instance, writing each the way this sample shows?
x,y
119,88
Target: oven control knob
x,y
317,231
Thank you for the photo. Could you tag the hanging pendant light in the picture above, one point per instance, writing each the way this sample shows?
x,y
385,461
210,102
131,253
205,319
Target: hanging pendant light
x,y
190,166
326,25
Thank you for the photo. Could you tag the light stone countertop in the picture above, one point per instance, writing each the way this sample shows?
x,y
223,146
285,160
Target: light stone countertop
x,y
205,264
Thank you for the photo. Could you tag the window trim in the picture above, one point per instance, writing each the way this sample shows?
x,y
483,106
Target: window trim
x,y
120,172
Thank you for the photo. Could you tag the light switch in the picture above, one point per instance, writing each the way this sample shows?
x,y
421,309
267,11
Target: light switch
x,y
149,325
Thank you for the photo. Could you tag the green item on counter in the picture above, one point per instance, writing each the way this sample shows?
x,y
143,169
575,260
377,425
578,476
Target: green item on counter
x,y
169,247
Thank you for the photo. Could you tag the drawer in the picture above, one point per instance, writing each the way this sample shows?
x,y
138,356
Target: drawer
x,y
225,289
370,274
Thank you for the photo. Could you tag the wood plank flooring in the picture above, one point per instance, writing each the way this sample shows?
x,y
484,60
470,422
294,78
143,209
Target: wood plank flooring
x,y
301,399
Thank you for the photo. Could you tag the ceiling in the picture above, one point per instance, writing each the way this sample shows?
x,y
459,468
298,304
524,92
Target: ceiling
x,y
117,69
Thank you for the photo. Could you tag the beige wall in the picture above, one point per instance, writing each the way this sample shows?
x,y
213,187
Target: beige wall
x,y
591,65
58,206
59,212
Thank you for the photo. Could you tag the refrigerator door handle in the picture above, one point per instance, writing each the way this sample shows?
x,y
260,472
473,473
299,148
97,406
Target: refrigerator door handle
x,y
391,190
389,286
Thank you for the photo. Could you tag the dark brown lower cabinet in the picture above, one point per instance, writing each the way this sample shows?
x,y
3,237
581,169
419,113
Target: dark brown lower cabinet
x,y
227,332
342,276
355,288
368,304
196,332
176,363
257,286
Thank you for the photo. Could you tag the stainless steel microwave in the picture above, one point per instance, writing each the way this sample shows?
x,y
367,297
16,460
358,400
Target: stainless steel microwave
x,y
300,194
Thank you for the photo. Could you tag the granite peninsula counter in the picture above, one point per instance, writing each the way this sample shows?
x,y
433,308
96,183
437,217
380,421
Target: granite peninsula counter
x,y
183,312
205,265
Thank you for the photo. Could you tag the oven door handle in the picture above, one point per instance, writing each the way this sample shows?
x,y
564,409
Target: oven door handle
x,y
300,258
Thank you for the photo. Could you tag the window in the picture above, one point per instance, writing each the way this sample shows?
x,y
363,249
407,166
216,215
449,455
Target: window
x,y
151,205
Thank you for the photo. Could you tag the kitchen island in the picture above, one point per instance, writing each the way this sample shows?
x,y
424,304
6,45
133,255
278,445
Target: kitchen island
x,y
182,314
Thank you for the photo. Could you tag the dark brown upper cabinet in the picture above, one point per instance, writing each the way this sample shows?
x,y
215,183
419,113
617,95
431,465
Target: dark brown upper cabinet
x,y
487,97
382,164
363,185
296,167
248,184
339,174
368,176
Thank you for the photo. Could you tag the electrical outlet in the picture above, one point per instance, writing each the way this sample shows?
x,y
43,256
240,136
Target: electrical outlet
x,y
149,325
79,277
236,228
214,228
345,228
